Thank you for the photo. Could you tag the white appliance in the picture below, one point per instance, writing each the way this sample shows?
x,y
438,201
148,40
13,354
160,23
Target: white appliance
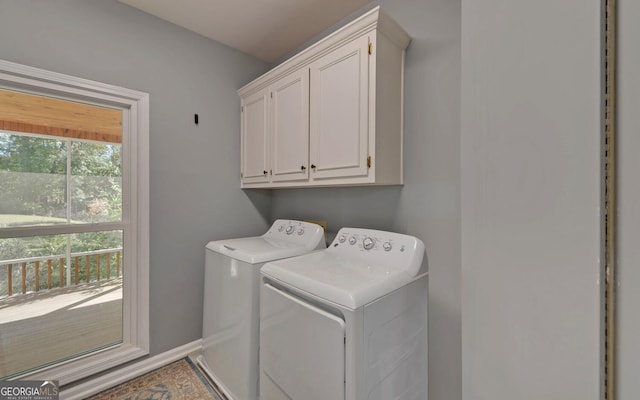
x,y
231,301
348,322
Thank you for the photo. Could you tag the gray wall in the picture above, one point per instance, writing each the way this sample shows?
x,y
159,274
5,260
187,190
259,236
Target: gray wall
x,y
530,150
428,205
628,147
195,195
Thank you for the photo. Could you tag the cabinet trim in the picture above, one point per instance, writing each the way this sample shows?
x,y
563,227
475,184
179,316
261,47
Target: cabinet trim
x,y
375,19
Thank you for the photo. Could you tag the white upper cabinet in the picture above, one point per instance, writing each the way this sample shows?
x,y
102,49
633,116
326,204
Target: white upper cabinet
x,y
254,126
275,132
290,127
339,111
330,115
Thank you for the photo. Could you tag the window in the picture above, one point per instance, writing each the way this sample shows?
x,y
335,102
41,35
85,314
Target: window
x,y
73,225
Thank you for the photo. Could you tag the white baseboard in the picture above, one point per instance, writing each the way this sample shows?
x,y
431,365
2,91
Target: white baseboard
x,y
103,382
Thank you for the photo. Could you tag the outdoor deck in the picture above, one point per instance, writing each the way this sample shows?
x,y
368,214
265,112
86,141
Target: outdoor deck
x,y
43,327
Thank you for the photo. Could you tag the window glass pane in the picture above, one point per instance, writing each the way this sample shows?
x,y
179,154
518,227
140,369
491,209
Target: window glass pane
x,y
33,180
45,251
96,182
33,177
59,293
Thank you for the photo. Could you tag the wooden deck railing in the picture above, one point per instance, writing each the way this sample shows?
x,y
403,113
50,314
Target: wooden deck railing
x,y
85,267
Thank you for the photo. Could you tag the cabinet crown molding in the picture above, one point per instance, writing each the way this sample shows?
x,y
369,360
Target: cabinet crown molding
x,y
374,20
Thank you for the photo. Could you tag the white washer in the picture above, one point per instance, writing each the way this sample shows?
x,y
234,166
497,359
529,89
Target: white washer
x,y
231,301
348,322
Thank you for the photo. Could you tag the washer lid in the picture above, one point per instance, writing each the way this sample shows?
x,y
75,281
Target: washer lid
x,y
360,266
285,238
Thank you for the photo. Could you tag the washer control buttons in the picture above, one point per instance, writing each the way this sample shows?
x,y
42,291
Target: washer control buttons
x,y
352,240
342,238
368,243
387,246
290,229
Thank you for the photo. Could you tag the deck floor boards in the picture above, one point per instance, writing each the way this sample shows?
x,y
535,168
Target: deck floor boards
x,y
41,328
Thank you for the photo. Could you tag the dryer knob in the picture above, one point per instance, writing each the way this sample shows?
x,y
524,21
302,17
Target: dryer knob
x,y
352,240
342,239
368,243
301,231
290,229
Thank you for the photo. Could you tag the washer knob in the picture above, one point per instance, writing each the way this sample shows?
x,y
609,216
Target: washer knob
x,y
342,238
290,229
301,231
280,228
387,246
368,243
352,240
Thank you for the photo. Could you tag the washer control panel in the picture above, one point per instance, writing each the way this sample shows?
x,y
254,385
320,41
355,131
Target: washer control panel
x,y
294,231
379,248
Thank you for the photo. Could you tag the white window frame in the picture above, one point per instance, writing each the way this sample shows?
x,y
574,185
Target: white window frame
x,y
135,211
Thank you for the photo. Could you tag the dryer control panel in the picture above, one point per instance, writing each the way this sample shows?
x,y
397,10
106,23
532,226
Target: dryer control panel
x,y
379,248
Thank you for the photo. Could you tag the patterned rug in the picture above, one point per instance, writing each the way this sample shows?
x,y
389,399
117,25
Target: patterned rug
x,y
180,380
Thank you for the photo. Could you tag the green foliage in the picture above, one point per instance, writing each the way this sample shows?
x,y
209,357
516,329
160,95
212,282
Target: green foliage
x,y
32,174
35,180
20,153
12,248
91,159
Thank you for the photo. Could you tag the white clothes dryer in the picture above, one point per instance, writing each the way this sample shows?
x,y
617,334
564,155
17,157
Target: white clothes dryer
x,y
346,323
231,301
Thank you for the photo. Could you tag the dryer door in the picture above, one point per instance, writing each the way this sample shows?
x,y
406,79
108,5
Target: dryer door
x,y
302,349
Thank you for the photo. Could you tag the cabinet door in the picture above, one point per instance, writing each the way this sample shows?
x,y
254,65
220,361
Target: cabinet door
x,y
339,112
254,139
290,127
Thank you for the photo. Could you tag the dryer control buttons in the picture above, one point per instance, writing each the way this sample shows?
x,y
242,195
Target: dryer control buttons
x,y
290,229
387,246
352,240
368,243
342,238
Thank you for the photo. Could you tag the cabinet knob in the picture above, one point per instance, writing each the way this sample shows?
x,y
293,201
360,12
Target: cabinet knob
x,y
313,166
302,168
264,172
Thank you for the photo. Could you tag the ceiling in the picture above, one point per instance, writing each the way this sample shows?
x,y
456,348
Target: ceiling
x,y
266,29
